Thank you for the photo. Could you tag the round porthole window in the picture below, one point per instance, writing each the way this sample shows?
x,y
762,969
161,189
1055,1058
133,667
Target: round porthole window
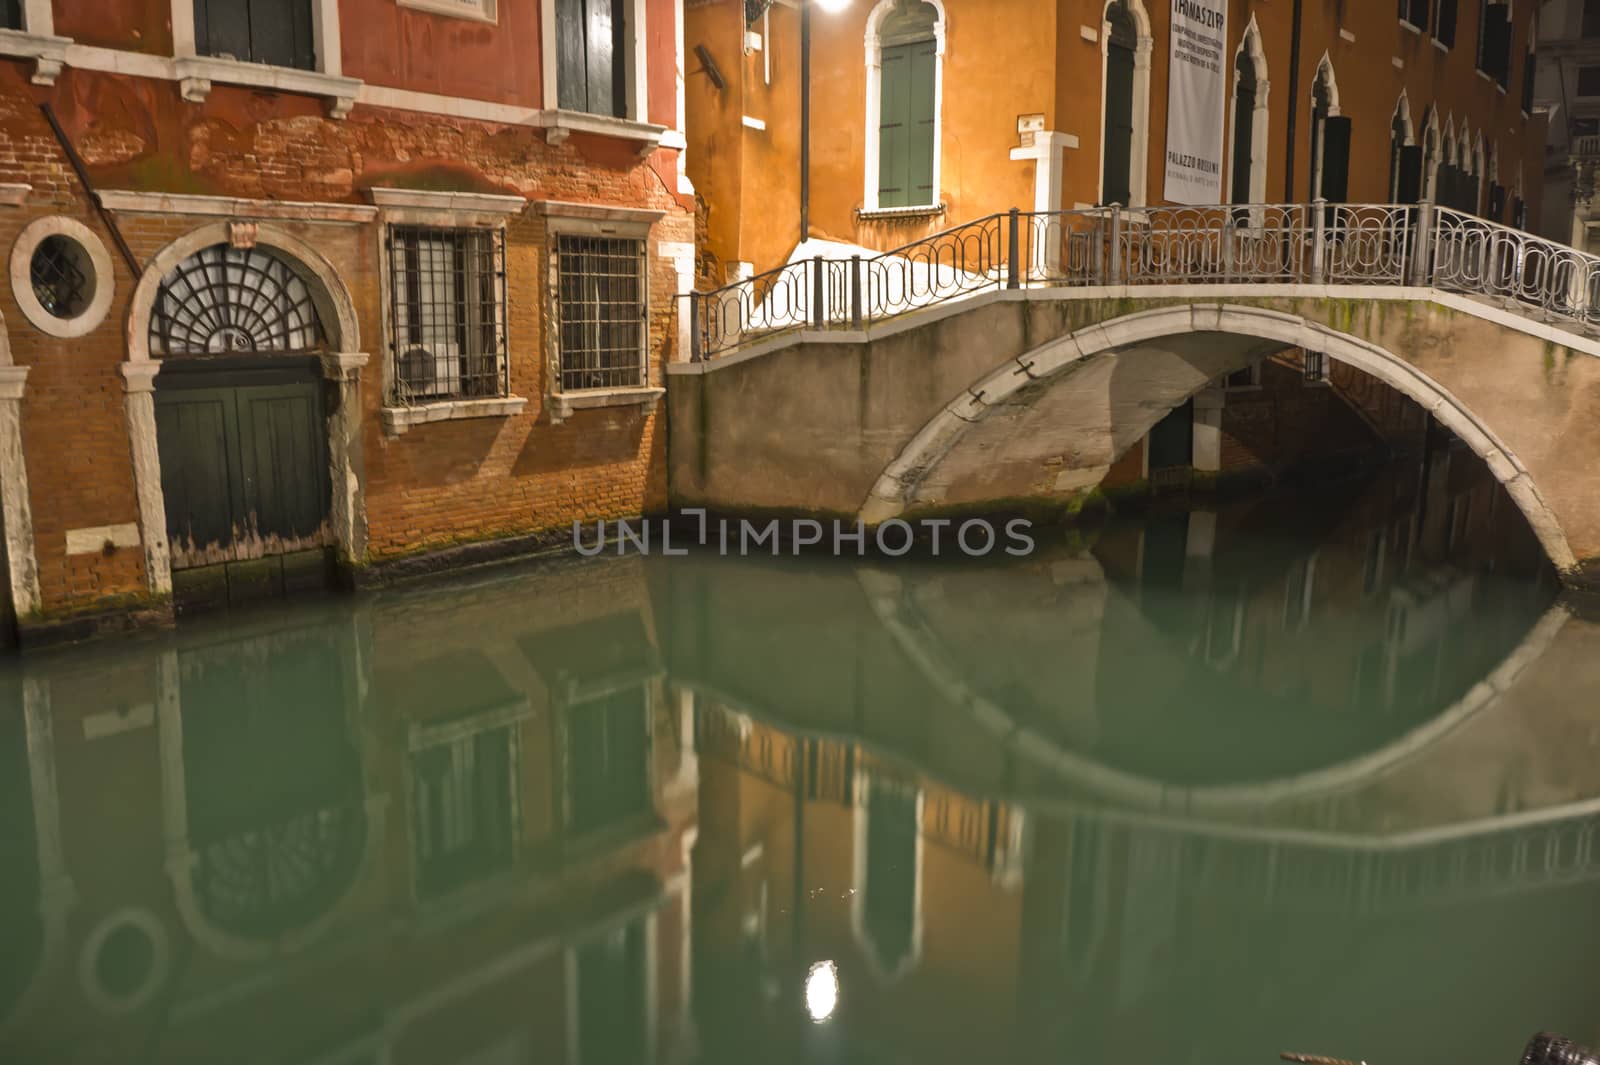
x,y
61,276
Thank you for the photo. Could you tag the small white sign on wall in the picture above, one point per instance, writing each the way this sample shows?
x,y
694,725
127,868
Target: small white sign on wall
x,y
479,10
1197,97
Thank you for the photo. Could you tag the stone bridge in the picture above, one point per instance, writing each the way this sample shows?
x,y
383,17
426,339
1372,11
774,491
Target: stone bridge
x,y
1019,356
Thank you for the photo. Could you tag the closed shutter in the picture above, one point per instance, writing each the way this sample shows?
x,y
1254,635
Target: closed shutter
x,y
1244,106
906,125
1116,176
1496,58
11,14
894,132
1445,34
1519,213
920,174
1497,202
256,31
1336,159
1410,187
589,75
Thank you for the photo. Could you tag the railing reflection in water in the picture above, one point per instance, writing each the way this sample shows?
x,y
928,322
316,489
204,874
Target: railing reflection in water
x,y
1321,244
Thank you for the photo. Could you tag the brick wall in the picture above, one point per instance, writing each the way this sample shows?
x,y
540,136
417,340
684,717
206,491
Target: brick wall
x,y
437,484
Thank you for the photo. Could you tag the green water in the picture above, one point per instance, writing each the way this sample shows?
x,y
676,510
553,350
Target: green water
x,y
1312,773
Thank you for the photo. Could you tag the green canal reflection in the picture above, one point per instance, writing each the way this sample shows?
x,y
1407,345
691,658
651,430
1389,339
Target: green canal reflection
x,y
1309,774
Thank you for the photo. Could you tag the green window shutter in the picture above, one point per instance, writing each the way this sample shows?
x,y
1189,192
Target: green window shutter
x,y
894,129
920,162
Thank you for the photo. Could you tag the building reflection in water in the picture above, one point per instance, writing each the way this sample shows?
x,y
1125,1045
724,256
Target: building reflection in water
x,y
1196,787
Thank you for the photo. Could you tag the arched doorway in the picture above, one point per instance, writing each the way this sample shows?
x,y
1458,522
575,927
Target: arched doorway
x,y
241,413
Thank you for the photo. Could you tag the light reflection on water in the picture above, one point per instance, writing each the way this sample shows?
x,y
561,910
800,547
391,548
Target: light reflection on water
x,y
1298,774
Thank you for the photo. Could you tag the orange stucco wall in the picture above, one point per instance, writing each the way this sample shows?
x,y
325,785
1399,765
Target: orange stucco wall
x,y
1008,58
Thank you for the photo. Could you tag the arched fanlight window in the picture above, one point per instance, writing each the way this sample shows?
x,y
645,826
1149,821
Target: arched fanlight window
x,y
224,300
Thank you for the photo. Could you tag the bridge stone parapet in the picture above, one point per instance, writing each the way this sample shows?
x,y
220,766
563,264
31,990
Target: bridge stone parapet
x,y
1020,393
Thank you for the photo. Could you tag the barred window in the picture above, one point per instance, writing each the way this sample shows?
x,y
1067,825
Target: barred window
x,y
447,316
601,306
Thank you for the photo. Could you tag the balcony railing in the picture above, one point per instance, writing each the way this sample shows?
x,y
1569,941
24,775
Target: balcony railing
x,y
1317,244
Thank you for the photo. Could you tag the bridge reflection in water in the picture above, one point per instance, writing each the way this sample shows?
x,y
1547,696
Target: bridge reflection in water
x,y
1189,790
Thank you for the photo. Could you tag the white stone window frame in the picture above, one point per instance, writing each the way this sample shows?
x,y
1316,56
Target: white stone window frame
x,y
596,220
471,10
1319,151
560,124
196,73
37,40
873,48
447,210
1260,132
99,262
1144,48
1432,155
1402,111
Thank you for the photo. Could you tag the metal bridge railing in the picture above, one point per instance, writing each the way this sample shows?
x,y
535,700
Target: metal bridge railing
x,y
1320,244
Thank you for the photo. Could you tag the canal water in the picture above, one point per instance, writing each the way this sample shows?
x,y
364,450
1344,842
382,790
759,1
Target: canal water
x,y
1309,773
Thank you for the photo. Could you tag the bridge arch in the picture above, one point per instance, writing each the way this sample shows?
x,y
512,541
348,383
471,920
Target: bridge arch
x,y
1021,384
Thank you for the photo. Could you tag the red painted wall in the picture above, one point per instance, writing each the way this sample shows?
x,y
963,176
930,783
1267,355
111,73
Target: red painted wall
x,y
134,25
387,44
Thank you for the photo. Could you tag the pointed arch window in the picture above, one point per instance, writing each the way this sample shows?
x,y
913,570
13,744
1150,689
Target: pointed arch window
x,y
905,55
1330,139
1431,149
1248,170
1405,157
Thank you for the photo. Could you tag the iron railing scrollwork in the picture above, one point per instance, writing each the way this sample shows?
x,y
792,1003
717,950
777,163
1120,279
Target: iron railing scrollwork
x,y
1418,245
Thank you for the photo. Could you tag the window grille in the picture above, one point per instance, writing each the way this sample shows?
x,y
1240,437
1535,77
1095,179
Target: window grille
x,y
61,287
223,300
1316,366
601,308
447,313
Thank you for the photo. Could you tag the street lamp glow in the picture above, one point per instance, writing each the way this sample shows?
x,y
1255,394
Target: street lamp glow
x,y
832,7
822,991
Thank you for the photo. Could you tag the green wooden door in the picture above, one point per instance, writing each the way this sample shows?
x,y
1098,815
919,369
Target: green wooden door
x,y
244,470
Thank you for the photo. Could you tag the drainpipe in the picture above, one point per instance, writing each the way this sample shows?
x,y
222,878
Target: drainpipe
x,y
805,119
1294,99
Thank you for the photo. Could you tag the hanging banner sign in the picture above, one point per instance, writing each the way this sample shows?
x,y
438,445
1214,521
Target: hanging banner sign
x,y
1197,97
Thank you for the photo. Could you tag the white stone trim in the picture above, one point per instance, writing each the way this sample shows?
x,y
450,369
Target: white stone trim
x,y
87,320
196,74
1260,130
453,203
1318,151
48,52
559,125
93,540
16,509
1139,155
564,404
873,47
609,219
635,55
397,420
14,193
471,10
135,201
